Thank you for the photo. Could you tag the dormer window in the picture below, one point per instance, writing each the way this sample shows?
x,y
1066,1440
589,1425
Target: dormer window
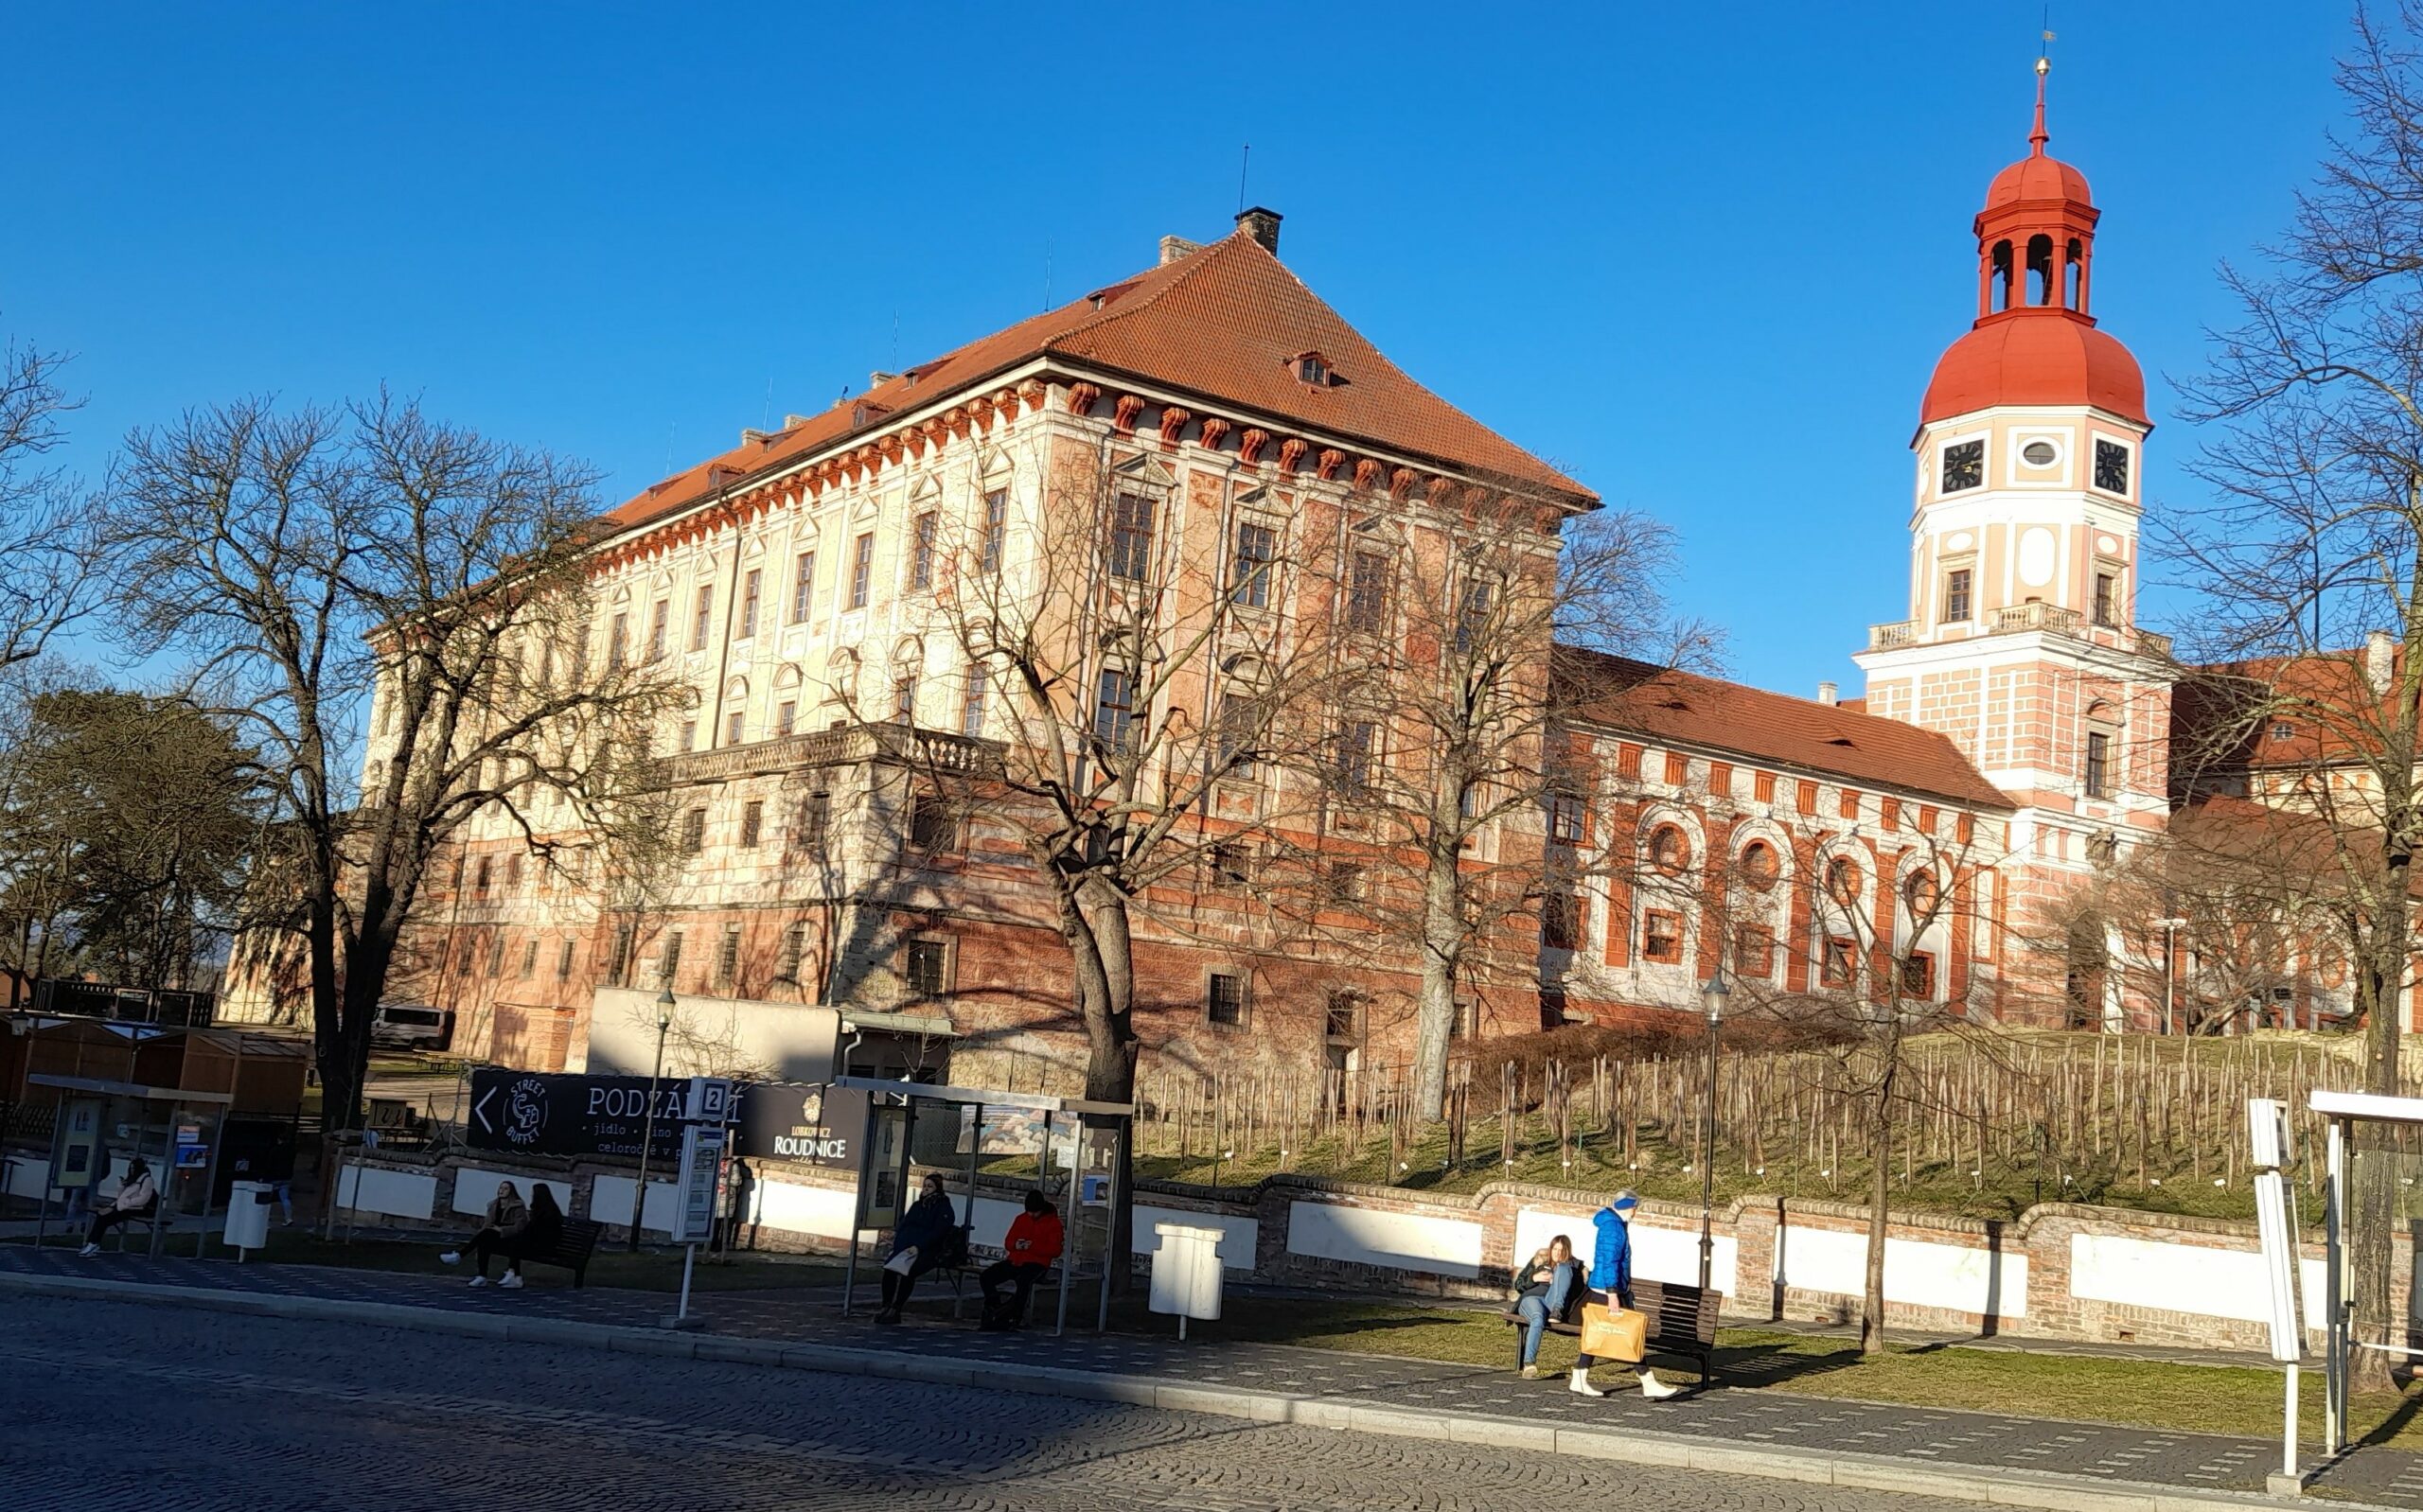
x,y
1313,368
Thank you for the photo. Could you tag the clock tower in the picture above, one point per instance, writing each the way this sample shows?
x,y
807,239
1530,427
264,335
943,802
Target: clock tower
x,y
2021,643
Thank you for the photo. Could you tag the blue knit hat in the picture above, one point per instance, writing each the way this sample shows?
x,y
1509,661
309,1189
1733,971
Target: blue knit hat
x,y
1625,1201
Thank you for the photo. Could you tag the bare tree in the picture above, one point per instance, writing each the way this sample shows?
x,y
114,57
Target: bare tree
x,y
45,537
306,560
2314,402
1446,765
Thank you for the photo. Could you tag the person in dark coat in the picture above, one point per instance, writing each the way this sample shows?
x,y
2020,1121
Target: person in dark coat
x,y
540,1235
506,1217
923,1237
1546,1289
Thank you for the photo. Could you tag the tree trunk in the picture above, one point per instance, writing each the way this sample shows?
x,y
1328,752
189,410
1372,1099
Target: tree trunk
x,y
2371,1188
1096,927
1442,943
1871,1312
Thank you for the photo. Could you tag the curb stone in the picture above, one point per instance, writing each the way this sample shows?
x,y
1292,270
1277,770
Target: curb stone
x,y
1994,1487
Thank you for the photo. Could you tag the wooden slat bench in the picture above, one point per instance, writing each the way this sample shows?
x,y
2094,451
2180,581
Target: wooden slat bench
x,y
575,1243
1682,1321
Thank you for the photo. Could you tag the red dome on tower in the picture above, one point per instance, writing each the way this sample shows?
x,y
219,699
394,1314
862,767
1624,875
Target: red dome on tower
x,y
2033,341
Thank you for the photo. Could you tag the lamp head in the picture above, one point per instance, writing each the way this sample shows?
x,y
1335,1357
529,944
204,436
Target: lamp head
x,y
1712,996
665,1004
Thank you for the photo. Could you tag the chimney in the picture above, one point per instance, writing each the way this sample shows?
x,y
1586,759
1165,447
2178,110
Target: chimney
x,y
1829,694
879,378
2380,659
1173,248
1262,226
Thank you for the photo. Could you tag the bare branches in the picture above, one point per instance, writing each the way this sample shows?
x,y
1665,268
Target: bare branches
x,y
46,545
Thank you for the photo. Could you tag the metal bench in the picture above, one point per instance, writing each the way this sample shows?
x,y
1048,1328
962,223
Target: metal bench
x,y
574,1243
1682,1321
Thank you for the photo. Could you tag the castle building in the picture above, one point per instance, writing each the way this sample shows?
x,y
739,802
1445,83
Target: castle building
x,y
2013,740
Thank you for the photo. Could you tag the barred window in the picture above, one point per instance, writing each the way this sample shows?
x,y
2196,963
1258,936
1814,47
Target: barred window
x,y
1225,1002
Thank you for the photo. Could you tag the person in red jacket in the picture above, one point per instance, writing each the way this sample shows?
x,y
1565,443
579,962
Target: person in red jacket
x,y
1034,1242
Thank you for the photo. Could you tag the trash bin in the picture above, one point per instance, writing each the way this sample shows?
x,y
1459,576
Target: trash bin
x,y
1186,1273
248,1216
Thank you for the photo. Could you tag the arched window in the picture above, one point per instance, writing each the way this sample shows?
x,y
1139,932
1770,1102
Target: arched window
x,y
1760,867
1842,881
2039,270
2002,275
1920,891
1670,848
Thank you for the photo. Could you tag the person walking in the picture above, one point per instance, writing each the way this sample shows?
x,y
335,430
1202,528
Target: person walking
x,y
506,1217
920,1241
1033,1243
137,1196
1546,1288
1611,1273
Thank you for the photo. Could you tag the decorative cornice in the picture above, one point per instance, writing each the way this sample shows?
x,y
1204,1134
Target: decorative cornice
x,y
1173,421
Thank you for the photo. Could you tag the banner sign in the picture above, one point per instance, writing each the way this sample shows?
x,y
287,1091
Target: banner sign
x,y
694,1214
530,1113
812,1125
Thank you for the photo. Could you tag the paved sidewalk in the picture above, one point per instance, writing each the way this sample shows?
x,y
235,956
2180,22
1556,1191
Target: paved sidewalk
x,y
1766,1432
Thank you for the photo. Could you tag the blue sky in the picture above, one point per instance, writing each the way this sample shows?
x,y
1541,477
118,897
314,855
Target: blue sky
x,y
1702,256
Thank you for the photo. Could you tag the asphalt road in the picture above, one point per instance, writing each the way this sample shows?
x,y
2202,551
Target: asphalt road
x,y
111,1405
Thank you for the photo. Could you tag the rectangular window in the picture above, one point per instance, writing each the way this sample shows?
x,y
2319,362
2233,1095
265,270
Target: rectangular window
x,y
1955,595
1367,592
670,967
1249,568
1561,921
1114,714
2104,610
921,553
930,823
1763,787
1567,818
1240,732
1918,975
564,962
904,700
689,737
529,959
513,870
1661,936
1628,761
786,718
1678,768
618,965
1472,617
733,726
815,815
1131,537
1753,950
1231,866
794,952
1225,1000
657,616
971,705
728,955
703,616
618,643
861,570
1847,804
1719,778
480,886
1835,969
802,585
988,540
1343,1021
753,821
750,591
1356,740
694,831
2098,764
928,967
1806,797
1346,881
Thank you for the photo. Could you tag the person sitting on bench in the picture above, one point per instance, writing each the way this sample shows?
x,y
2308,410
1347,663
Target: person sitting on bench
x,y
1544,1289
538,1239
921,1240
1034,1242
505,1219
138,1195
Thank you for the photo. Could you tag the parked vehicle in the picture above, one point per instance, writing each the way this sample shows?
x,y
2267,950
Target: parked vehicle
x,y
412,1027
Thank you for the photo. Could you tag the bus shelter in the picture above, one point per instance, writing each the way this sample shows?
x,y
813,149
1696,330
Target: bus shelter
x,y
2372,1141
101,1123
1079,1148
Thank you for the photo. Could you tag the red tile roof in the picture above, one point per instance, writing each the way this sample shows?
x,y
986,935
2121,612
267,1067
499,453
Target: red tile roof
x,y
1707,713
1223,322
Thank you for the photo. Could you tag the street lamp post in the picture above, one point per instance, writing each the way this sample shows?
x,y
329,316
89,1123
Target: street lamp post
x,y
665,1004
1712,1000
2170,928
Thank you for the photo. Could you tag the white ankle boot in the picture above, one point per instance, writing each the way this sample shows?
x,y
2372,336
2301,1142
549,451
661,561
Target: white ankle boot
x,y
1580,1385
1655,1389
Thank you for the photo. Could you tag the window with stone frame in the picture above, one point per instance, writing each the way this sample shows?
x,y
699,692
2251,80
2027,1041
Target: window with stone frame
x,y
480,883
693,831
921,551
1839,962
989,536
1343,1020
660,617
753,822
1560,921
814,819
728,955
618,963
1250,564
1753,950
1957,594
971,703
1115,710
1918,975
564,961
861,570
1229,864
1224,1000
802,585
1131,537
925,965
786,716
1661,936
1353,750
2097,775
752,585
1367,592
530,958
931,824
668,966
703,616
1568,818
794,952
618,643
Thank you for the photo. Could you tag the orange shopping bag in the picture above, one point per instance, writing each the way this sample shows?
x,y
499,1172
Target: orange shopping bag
x,y
1614,1333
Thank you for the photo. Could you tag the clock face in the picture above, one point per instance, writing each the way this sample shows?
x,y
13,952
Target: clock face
x,y
2111,467
1964,465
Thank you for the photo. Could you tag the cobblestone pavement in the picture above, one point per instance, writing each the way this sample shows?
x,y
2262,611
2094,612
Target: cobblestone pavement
x,y
1765,1419
110,1405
